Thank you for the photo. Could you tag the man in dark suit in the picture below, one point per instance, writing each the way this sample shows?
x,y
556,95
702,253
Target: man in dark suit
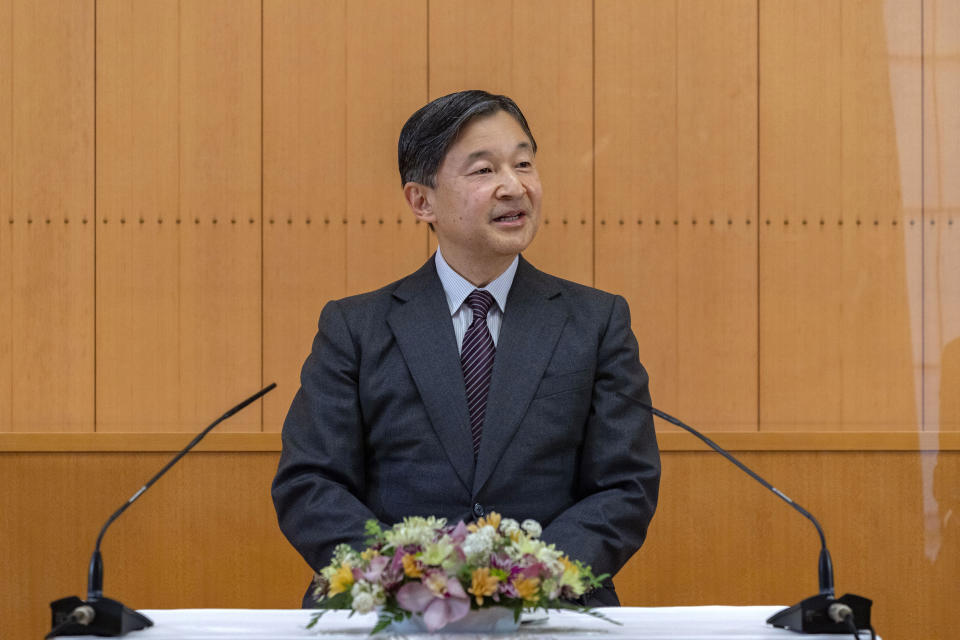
x,y
477,383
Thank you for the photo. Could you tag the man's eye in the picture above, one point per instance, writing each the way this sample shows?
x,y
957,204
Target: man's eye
x,y
526,164
483,170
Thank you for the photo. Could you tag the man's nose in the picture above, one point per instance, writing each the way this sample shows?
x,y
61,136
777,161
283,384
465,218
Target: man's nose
x,y
510,185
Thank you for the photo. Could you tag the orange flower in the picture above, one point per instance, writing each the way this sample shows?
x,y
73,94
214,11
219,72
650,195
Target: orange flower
x,y
411,567
493,519
527,587
483,584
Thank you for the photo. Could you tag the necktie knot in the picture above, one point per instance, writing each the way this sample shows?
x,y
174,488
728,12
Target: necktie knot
x,y
479,302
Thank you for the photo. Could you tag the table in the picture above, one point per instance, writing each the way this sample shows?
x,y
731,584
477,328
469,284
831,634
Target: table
x,y
639,623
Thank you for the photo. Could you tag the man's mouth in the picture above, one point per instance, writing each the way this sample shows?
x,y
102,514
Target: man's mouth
x,y
510,216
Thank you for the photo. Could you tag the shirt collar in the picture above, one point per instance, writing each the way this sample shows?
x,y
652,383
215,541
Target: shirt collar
x,y
457,288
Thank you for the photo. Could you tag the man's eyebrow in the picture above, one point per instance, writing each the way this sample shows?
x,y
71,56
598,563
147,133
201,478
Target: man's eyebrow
x,y
483,153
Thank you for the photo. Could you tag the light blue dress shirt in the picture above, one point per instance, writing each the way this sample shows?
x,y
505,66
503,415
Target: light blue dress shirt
x,y
457,288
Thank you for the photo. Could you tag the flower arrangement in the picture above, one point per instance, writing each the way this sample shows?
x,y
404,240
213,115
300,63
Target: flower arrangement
x,y
422,566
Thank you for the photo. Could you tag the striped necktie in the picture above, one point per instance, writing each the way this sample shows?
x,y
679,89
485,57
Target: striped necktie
x,y
476,358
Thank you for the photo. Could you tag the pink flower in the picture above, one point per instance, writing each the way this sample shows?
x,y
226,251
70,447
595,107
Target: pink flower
x,y
377,565
437,610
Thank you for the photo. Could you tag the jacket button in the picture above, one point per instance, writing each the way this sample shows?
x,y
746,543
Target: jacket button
x,y
478,510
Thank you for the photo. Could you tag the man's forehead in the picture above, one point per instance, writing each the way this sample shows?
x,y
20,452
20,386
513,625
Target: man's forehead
x,y
486,134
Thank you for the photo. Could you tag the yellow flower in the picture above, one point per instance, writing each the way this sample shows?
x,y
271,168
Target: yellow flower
x,y
369,554
569,567
410,566
571,576
527,587
483,584
492,519
341,581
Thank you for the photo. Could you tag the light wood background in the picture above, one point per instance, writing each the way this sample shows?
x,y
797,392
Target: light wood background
x,y
774,185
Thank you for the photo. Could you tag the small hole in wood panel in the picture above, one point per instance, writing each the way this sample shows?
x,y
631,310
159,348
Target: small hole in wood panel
x,y
693,222
214,221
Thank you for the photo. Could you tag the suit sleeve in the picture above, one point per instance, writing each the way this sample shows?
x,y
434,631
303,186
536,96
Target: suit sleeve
x,y
321,470
619,474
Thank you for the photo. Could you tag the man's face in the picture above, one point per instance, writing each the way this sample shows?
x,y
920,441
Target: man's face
x,y
485,206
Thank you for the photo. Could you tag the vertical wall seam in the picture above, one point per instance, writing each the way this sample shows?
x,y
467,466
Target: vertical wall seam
x,y
95,212
923,211
262,243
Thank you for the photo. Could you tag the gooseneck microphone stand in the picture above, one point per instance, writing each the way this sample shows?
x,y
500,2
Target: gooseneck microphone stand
x,y
101,616
821,613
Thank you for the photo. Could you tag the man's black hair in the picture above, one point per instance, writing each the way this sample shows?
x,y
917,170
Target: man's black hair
x,y
429,133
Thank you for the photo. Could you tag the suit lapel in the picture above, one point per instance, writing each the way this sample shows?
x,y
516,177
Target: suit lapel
x,y
420,321
534,317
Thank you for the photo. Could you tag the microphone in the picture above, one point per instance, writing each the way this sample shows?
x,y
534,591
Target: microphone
x,y
101,616
822,613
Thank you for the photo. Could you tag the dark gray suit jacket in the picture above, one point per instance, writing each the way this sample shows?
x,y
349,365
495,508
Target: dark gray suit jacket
x,y
380,428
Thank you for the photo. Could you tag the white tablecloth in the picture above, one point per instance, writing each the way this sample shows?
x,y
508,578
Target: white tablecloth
x,y
639,623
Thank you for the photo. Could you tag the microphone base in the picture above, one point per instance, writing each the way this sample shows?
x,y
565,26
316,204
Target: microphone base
x,y
810,615
111,618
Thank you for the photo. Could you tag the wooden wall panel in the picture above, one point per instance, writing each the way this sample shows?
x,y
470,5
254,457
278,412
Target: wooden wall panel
x,y
636,176
676,110
546,65
220,233
138,206
717,182
6,216
49,243
304,184
386,58
717,537
835,335
941,200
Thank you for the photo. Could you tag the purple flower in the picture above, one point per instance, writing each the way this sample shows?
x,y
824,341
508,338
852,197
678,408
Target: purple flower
x,y
437,610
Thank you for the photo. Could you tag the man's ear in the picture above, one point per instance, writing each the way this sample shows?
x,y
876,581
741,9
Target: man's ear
x,y
419,198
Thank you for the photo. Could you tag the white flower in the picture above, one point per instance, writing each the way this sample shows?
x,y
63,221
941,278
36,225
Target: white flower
x,y
414,531
479,544
509,526
532,527
363,602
